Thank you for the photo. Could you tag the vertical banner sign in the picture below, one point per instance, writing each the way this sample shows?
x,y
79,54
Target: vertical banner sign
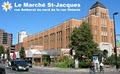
x,y
118,40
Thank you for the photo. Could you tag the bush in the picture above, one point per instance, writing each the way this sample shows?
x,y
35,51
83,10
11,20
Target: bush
x,y
110,60
118,64
63,65
65,62
119,61
46,60
84,64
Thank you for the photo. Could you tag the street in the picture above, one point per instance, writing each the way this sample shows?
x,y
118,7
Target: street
x,y
46,70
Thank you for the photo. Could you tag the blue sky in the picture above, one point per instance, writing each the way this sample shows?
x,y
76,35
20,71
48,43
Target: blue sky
x,y
34,22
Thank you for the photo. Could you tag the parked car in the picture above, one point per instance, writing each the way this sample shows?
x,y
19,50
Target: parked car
x,y
29,63
19,65
2,61
2,71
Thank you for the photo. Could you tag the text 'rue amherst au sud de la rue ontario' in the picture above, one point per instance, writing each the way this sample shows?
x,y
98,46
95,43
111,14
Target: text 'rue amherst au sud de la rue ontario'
x,y
46,7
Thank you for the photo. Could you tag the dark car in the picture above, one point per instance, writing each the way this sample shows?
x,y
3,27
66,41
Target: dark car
x,y
29,63
19,65
2,70
2,61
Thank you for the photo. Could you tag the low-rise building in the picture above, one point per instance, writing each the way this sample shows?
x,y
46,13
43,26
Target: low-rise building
x,y
57,38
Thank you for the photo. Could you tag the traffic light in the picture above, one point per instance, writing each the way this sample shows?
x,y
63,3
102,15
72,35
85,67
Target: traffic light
x,y
115,50
71,52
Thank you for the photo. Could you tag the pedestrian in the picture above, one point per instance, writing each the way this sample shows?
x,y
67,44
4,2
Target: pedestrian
x,y
92,65
101,66
6,63
97,66
76,63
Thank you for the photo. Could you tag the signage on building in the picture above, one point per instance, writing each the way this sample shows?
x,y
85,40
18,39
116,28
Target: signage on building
x,y
51,56
65,51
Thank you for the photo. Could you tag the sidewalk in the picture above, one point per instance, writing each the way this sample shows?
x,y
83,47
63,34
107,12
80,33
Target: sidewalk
x,y
62,69
74,70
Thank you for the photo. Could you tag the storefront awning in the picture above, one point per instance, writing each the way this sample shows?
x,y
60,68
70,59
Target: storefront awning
x,y
32,52
50,52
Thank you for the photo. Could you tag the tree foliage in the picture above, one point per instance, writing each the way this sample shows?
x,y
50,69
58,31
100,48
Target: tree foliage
x,y
82,41
8,54
65,62
1,50
22,52
110,60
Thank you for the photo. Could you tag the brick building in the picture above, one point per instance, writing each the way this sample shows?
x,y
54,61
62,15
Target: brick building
x,y
18,46
5,39
57,37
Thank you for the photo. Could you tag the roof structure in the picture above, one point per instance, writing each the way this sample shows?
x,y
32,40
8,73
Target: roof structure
x,y
97,4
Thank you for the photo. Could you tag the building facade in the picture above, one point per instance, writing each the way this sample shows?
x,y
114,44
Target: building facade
x,y
18,46
12,49
57,38
21,35
5,39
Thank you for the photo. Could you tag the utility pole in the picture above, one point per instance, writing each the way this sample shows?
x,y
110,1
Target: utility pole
x,y
115,39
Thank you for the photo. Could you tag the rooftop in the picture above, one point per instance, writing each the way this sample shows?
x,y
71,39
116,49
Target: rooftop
x,y
97,4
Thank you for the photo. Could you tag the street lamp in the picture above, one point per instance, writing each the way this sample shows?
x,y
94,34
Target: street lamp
x,y
115,39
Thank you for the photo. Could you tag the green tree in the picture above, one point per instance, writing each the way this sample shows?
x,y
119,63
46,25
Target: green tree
x,y
1,50
8,54
82,42
22,52
110,60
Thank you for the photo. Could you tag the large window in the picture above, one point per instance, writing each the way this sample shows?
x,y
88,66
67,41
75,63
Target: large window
x,y
46,39
59,39
41,40
5,36
52,38
59,36
36,41
96,32
67,34
104,28
104,39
